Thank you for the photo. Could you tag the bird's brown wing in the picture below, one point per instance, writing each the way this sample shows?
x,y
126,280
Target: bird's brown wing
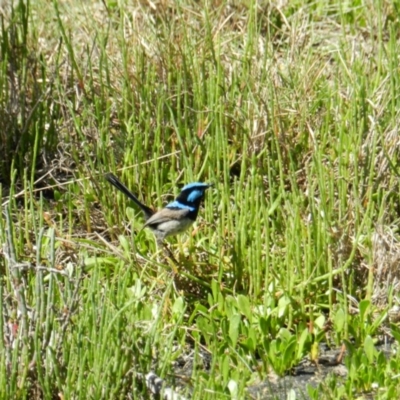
x,y
167,214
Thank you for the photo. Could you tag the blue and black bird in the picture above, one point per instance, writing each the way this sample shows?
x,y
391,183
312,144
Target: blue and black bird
x,y
177,216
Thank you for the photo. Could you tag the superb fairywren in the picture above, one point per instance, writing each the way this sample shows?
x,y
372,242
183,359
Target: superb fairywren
x,y
177,216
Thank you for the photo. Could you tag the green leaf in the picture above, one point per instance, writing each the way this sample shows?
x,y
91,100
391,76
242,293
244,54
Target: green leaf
x,y
250,344
364,305
57,195
138,290
98,261
283,303
395,332
275,204
339,320
225,367
179,306
377,322
288,355
320,322
369,348
130,213
200,309
244,307
350,347
273,348
204,326
124,243
285,334
264,325
301,343
215,289
251,339
234,323
230,306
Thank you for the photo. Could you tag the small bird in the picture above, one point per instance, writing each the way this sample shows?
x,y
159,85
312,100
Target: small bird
x,y
177,216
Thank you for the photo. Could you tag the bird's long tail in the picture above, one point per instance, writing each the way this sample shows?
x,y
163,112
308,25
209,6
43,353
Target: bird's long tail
x,y
147,211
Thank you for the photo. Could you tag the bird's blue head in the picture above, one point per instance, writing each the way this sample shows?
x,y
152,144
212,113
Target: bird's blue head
x,y
191,195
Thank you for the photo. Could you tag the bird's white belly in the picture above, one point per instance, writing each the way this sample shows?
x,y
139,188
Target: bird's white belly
x,y
173,227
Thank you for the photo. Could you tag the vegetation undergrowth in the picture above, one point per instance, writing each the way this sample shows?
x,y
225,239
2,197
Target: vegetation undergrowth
x,y
290,109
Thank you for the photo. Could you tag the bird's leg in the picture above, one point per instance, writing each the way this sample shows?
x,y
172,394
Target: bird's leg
x,y
168,254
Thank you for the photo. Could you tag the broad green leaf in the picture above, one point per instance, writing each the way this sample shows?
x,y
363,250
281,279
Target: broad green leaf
x,y
283,303
289,352
130,213
320,322
285,334
234,323
395,330
124,243
225,365
364,305
179,306
244,307
264,325
369,348
339,320
301,342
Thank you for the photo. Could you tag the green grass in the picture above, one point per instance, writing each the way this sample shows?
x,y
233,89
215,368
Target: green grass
x,y
290,110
